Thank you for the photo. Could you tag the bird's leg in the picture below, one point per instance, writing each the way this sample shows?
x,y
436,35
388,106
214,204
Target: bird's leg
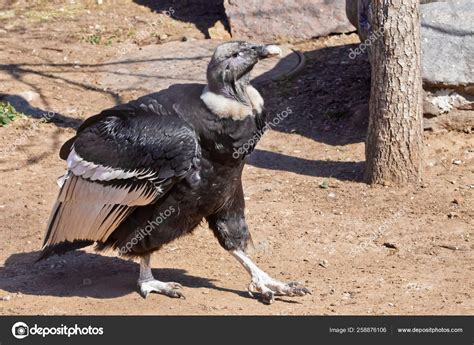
x,y
266,285
147,283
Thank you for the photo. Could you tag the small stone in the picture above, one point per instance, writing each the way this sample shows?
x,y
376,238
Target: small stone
x,y
6,298
218,32
346,295
452,215
390,245
29,96
324,263
163,37
457,162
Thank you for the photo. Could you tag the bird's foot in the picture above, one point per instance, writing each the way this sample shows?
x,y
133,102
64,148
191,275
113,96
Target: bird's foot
x,y
165,288
269,288
266,285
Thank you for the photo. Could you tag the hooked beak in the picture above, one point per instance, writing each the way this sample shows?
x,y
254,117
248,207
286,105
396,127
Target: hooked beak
x,y
267,51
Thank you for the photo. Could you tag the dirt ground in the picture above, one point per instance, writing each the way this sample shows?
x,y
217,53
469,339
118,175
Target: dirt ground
x,y
360,249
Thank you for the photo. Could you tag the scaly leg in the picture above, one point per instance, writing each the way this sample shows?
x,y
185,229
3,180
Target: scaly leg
x,y
263,283
147,283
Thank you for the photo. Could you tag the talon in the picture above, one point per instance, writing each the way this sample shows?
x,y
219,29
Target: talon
x,y
305,291
268,297
298,289
177,294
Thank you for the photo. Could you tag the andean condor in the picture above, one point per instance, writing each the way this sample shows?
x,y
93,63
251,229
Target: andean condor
x,y
142,174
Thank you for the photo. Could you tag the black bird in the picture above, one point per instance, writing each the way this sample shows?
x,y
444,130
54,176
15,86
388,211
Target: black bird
x,y
142,174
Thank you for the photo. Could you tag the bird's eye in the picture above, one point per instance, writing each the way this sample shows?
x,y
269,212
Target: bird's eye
x,y
237,54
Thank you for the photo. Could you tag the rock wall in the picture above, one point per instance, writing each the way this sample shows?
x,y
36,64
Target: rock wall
x,y
447,39
286,20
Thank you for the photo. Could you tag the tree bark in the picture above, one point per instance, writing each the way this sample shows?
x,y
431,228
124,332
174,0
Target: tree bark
x,y
394,146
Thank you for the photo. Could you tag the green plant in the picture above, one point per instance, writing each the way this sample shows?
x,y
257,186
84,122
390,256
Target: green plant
x,y
324,184
7,113
110,40
92,39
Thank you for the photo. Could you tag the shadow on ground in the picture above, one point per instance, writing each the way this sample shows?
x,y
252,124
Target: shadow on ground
x,y
328,102
23,106
350,171
86,275
61,73
202,13
327,98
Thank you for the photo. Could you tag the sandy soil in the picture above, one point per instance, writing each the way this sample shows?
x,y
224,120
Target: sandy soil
x,y
360,249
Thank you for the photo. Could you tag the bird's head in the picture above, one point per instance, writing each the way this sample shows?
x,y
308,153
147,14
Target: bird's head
x,y
228,72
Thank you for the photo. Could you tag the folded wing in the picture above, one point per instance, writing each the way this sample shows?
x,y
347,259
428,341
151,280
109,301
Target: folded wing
x,y
121,160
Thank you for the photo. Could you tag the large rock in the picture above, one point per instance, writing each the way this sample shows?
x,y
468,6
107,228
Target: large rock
x,y
447,40
351,9
447,32
286,20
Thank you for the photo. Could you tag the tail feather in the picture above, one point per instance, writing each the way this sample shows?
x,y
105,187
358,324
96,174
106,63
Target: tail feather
x,y
63,247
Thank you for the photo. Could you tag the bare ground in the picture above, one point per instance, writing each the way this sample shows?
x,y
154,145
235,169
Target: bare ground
x,y
360,249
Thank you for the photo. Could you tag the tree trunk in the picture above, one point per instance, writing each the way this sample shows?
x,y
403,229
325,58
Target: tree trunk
x,y
394,146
